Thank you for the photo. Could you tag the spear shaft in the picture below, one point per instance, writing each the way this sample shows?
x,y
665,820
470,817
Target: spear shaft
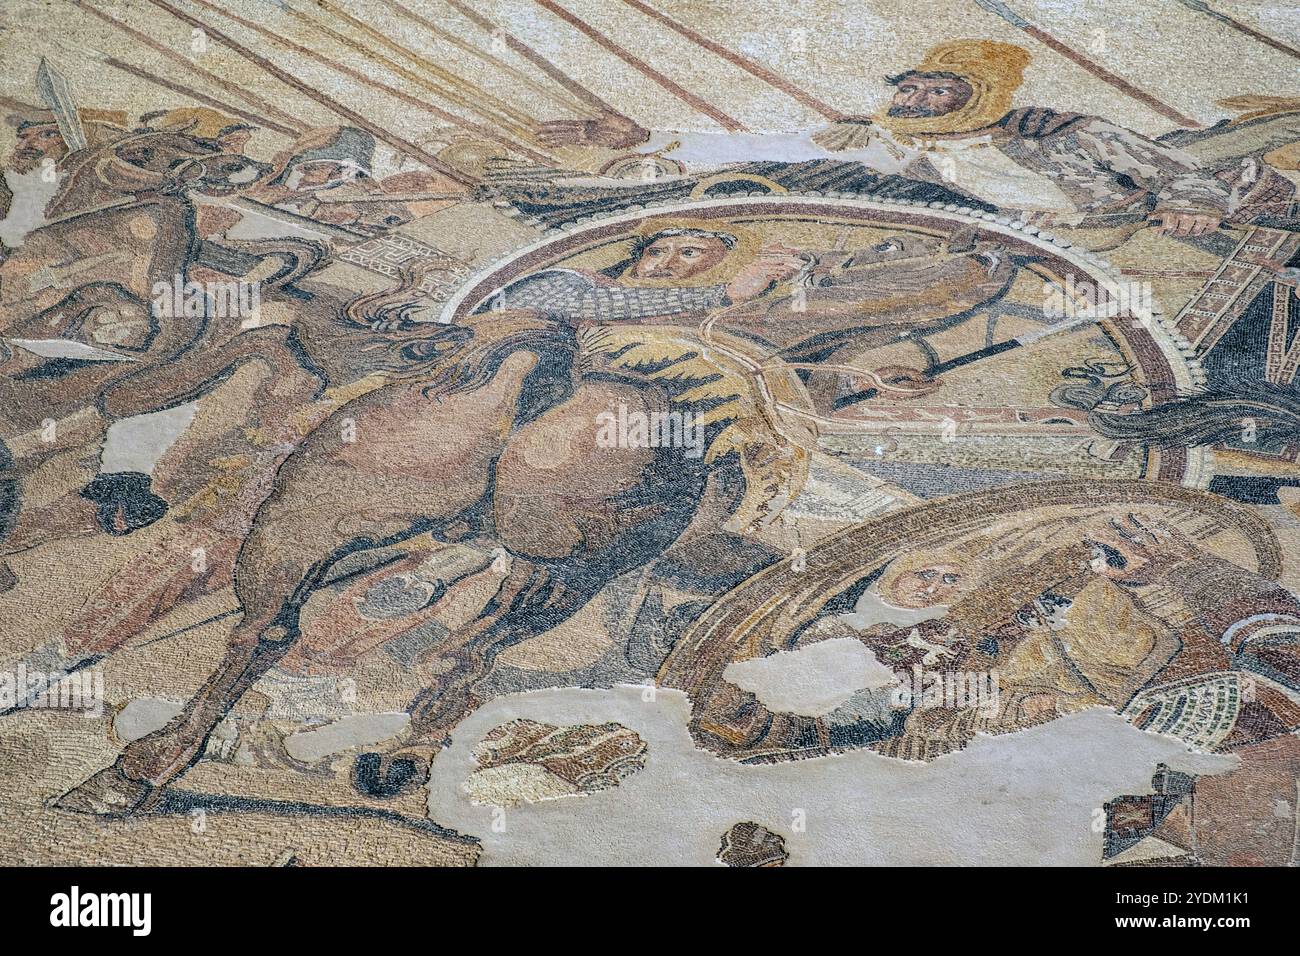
x,y
1096,69
196,95
532,56
392,91
286,123
752,67
353,117
495,62
1201,7
449,86
730,124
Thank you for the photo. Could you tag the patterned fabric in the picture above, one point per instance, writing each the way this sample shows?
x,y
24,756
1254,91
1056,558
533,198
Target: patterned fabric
x,y
572,295
1101,167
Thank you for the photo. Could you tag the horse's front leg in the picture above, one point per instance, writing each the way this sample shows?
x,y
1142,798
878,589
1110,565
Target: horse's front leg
x,y
382,469
574,512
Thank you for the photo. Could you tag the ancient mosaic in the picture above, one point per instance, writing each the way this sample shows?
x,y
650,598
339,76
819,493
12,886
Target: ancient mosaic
x,y
649,432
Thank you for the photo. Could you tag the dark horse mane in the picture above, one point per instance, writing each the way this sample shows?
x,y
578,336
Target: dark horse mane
x,y
1217,414
451,358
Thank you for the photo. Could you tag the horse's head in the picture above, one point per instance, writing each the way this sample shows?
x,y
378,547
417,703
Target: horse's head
x,y
162,162
169,161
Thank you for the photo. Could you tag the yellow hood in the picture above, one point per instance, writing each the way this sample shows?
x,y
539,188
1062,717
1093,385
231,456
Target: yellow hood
x,y
994,72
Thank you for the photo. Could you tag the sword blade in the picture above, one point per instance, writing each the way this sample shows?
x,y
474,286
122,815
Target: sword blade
x,y
55,92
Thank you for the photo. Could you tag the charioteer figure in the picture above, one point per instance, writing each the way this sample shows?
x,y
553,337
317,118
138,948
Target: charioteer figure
x,y
951,122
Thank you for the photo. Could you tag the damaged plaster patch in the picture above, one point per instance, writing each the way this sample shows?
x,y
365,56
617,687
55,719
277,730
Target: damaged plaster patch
x,y
811,681
857,808
143,716
346,733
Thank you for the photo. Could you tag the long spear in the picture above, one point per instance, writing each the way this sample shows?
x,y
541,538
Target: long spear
x,y
1096,69
745,63
478,101
194,94
529,54
287,124
1201,7
392,91
356,119
686,96
495,62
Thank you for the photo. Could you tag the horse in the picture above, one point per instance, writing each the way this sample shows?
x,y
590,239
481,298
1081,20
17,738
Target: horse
x,y
76,297
488,441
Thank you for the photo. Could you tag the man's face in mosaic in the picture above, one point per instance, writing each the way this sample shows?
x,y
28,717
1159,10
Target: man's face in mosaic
x,y
936,584
918,95
36,144
679,257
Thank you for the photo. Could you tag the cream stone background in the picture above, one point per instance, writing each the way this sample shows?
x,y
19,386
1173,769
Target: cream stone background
x,y
1182,57
1027,797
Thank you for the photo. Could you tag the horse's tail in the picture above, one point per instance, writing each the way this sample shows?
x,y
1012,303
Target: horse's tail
x,y
1267,412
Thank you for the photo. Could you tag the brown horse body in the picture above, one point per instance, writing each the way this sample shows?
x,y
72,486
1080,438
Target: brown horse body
x,y
77,297
465,453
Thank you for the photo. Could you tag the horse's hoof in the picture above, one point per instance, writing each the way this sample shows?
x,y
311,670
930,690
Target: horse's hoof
x,y
109,793
386,776
124,501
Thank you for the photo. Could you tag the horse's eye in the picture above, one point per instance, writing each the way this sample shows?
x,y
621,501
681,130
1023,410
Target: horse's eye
x,y
141,157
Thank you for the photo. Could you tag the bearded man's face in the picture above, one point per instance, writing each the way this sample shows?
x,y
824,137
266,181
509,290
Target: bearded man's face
x,y
35,145
921,96
679,257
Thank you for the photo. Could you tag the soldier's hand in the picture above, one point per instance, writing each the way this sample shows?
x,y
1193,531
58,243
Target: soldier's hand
x,y
1182,224
611,130
775,262
850,132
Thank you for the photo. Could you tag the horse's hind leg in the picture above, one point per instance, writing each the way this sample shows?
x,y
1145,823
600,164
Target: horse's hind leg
x,y
153,761
529,601
298,537
278,567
